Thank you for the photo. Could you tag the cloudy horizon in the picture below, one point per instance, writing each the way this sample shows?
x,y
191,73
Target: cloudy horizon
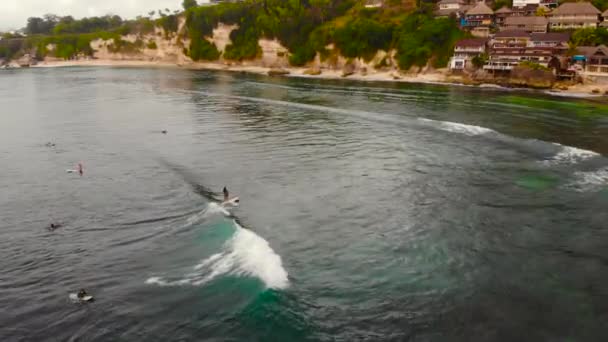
x,y
14,13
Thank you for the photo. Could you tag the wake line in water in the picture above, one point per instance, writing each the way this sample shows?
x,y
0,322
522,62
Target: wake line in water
x,y
563,154
245,254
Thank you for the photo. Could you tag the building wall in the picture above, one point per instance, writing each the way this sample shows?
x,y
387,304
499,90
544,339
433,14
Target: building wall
x,y
522,3
449,6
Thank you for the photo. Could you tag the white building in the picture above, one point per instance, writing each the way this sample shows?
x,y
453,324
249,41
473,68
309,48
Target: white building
x,y
523,3
464,51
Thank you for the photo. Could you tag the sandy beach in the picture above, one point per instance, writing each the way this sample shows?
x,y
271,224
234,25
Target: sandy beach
x,y
576,91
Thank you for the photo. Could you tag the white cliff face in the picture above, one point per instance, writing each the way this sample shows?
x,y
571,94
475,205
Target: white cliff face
x,y
170,49
221,36
274,55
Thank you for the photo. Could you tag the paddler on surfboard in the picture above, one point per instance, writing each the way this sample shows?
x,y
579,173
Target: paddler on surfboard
x,y
234,201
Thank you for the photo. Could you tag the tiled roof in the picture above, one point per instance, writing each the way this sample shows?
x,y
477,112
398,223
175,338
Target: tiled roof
x,y
503,10
569,8
535,20
471,42
551,36
480,9
512,34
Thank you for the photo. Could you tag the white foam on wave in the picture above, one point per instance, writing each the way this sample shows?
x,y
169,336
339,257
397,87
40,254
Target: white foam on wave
x,y
590,181
245,254
455,127
571,155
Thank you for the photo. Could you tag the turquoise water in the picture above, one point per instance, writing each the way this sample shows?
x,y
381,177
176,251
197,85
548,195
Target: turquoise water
x,y
368,211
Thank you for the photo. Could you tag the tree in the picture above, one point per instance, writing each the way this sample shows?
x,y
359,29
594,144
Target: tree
x,y
602,5
187,4
590,36
541,11
479,60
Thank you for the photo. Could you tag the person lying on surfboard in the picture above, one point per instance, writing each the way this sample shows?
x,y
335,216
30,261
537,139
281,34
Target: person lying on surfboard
x,y
82,293
228,200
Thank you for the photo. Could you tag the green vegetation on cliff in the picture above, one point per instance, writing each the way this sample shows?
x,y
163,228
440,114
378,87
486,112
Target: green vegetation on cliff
x,y
69,37
306,28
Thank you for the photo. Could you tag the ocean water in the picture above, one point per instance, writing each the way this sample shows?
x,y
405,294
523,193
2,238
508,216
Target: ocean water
x,y
369,212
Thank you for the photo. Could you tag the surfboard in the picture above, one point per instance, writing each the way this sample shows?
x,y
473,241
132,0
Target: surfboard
x,y
74,297
231,202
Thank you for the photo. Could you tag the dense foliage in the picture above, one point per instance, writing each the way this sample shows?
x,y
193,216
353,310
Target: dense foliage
x,y
502,3
363,37
304,27
421,38
589,36
291,22
10,47
186,4
602,5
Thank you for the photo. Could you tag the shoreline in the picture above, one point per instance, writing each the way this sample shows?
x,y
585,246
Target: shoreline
x,y
584,91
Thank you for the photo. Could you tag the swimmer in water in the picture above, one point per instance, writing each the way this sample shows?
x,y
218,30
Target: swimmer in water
x,y
54,226
80,169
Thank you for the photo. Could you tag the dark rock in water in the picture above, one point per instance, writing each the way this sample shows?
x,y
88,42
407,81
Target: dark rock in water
x,y
277,72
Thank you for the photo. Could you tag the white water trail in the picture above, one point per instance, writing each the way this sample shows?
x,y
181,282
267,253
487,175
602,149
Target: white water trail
x,y
211,210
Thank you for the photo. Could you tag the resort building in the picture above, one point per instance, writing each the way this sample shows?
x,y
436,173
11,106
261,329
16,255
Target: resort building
x,y
594,58
450,7
574,15
528,24
465,50
480,15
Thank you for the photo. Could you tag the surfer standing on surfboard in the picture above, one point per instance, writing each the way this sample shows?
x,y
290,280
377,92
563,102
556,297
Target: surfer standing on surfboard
x,y
228,200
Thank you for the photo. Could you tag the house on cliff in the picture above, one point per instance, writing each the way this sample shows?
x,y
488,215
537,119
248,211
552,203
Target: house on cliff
x,y
478,20
464,52
528,24
446,8
594,59
502,14
510,48
574,15
479,16
604,23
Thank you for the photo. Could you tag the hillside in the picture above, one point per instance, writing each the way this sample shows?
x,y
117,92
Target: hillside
x,y
334,32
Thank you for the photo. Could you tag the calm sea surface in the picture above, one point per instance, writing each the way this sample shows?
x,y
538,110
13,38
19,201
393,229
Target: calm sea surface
x,y
369,212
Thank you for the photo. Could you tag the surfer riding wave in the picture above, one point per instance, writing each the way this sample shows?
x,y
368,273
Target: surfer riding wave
x,y
234,201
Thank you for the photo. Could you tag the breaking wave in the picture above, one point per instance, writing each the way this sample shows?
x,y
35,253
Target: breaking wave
x,y
590,181
245,254
571,155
